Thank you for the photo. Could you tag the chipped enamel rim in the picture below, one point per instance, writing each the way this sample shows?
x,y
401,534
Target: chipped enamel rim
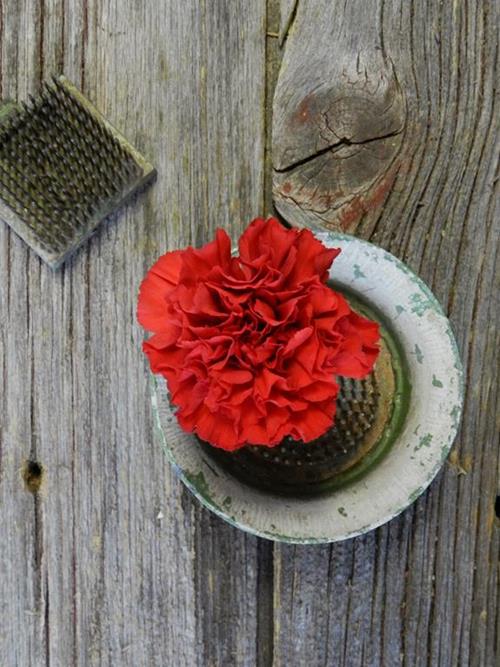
x,y
416,456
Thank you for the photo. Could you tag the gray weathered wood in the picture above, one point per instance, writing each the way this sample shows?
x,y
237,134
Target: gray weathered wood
x,y
423,590
111,562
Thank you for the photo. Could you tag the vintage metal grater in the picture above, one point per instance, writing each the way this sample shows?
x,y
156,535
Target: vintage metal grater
x,y
63,169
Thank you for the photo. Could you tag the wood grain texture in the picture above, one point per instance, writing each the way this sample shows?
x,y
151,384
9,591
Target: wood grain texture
x,y
423,590
338,114
112,563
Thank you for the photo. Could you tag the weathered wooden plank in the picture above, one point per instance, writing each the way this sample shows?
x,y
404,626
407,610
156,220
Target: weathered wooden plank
x,y
338,114
21,536
112,562
423,590
232,90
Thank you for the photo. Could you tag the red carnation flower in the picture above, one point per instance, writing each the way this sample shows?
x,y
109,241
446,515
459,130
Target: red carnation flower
x,y
250,345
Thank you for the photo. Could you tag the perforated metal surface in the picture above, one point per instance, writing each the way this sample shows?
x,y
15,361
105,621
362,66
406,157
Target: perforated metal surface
x,y
363,409
62,168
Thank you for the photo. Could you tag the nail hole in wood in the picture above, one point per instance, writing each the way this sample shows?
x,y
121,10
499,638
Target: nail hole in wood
x,y
32,474
497,506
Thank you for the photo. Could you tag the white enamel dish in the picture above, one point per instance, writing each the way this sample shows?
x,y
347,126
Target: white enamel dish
x,y
422,445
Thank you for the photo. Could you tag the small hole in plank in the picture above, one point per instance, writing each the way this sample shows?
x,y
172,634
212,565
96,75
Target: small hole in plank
x,y
497,506
32,474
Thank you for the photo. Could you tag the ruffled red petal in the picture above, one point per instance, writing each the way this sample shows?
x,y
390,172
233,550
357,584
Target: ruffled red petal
x,y
251,346
160,280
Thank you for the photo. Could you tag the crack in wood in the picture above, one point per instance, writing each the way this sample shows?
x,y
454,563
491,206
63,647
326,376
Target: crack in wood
x,y
344,141
288,13
339,118
272,65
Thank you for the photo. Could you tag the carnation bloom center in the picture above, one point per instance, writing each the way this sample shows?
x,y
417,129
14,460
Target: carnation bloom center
x,y
250,345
